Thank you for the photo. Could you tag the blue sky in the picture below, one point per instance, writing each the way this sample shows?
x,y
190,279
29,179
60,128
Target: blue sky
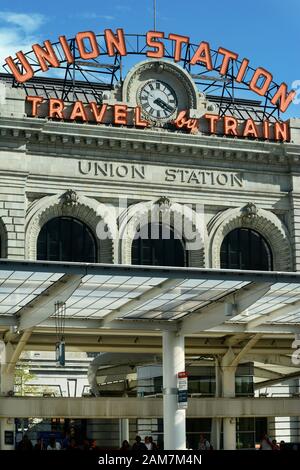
x,y
265,31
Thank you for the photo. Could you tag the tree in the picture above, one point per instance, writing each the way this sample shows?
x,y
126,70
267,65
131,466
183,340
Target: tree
x,y
23,377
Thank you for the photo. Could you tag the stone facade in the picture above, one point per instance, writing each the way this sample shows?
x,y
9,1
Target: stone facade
x,y
54,168
42,159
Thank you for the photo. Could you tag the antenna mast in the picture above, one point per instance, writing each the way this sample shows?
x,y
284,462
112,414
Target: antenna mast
x,y
154,14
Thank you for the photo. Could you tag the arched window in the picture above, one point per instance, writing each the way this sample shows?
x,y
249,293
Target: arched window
x,y
66,239
158,251
244,248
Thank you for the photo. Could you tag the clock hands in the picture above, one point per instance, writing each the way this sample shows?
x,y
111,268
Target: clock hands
x,y
158,100
163,104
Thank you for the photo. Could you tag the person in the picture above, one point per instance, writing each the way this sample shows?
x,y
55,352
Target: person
x,y
53,444
147,443
138,446
25,443
265,443
66,441
93,445
125,446
275,446
39,444
152,444
73,445
85,444
204,444
282,445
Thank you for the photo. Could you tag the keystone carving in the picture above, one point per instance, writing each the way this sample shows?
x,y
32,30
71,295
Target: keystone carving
x,y
163,201
249,211
69,198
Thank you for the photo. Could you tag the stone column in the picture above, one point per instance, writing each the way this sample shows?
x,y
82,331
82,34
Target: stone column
x,y
228,390
174,418
123,430
216,422
294,387
6,386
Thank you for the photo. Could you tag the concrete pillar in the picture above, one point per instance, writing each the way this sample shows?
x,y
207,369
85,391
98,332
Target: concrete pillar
x,y
123,430
174,418
228,390
6,386
7,379
215,433
294,420
216,422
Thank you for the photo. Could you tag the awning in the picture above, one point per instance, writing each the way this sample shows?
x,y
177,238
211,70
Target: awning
x,y
189,299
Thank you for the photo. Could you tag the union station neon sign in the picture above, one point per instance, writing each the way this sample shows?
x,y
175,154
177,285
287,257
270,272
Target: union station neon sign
x,y
115,43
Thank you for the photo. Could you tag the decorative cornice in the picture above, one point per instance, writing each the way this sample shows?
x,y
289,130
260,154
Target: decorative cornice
x,y
63,135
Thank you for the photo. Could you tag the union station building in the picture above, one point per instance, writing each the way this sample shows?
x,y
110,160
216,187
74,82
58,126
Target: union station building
x,y
91,161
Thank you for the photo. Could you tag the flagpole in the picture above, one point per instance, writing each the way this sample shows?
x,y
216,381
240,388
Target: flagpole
x,y
154,13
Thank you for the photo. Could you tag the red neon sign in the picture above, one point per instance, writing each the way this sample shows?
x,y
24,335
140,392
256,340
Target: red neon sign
x,y
122,115
115,42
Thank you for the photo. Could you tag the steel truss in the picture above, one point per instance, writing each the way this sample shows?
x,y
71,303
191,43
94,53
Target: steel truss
x,y
85,79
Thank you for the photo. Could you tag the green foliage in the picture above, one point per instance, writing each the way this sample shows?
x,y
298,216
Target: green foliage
x,y
22,377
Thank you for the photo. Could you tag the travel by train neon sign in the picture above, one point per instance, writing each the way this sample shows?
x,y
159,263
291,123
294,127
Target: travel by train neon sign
x,y
122,115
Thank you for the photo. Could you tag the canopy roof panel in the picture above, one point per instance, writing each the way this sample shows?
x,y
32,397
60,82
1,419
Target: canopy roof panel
x,y
146,294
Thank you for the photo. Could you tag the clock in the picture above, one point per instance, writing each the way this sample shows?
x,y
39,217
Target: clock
x,y
158,100
161,89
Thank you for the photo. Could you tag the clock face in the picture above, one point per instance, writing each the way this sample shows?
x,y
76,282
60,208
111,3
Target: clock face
x,y
158,100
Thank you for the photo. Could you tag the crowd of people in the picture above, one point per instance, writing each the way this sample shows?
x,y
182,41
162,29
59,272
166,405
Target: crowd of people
x,y
139,445
69,443
267,444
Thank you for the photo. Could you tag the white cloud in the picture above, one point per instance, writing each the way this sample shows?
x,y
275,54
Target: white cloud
x,y
18,31
95,16
26,22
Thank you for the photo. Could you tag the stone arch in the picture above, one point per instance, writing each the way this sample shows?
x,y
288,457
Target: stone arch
x,y
193,225
264,222
87,210
3,240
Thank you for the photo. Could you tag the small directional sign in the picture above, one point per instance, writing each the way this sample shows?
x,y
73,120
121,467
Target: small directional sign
x,y
182,387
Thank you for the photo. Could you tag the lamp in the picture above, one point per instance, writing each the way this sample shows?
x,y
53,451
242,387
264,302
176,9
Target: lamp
x,y
60,317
